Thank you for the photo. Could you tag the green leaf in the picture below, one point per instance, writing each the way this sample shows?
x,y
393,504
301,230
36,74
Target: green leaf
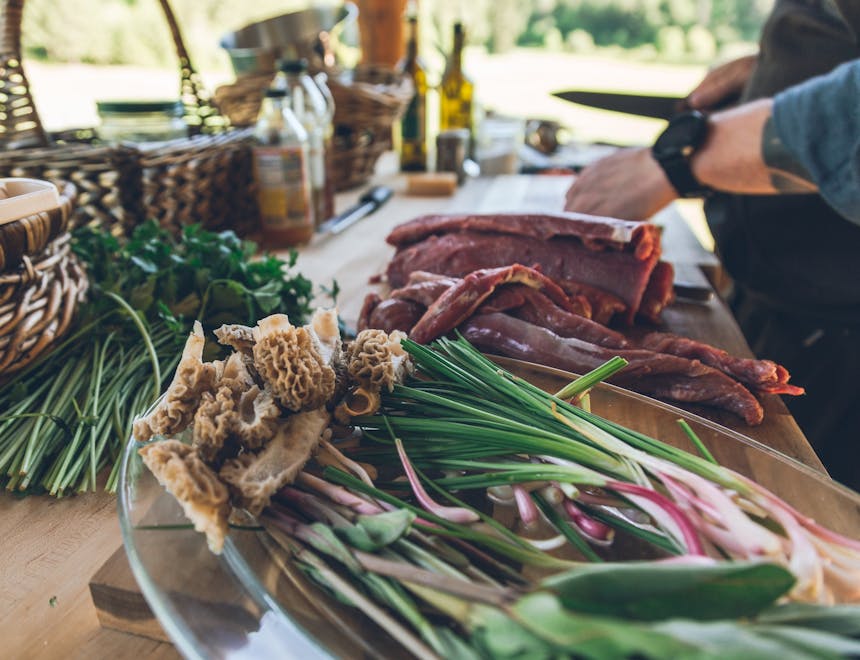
x,y
385,528
592,637
840,619
500,637
649,591
733,641
143,296
322,538
818,643
371,533
268,296
187,307
145,265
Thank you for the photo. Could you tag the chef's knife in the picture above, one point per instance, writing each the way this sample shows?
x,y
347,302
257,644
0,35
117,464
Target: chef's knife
x,y
692,292
644,105
367,204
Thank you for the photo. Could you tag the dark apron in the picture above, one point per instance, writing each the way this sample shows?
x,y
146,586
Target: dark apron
x,y
794,261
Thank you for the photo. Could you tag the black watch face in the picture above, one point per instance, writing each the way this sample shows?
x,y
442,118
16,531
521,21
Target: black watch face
x,y
683,135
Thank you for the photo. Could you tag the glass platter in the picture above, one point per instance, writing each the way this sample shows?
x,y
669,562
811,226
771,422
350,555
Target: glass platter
x,y
252,603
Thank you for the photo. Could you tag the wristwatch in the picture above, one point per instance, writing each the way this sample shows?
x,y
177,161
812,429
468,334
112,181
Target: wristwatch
x,y
672,150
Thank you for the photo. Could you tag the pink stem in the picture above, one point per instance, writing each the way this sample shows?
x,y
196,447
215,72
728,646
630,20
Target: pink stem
x,y
593,529
453,513
806,521
338,494
683,494
525,505
688,531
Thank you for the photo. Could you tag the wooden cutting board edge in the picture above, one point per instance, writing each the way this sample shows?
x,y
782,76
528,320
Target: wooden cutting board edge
x,y
119,603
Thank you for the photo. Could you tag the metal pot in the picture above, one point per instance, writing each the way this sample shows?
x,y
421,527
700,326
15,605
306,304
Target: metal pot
x,y
311,33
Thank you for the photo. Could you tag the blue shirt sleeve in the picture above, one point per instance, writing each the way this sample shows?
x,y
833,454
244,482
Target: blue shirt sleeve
x,y
818,121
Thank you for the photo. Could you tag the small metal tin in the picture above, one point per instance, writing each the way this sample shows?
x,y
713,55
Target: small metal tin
x,y
452,148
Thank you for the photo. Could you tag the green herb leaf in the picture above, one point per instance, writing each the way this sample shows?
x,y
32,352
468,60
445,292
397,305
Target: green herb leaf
x,y
586,636
649,591
841,619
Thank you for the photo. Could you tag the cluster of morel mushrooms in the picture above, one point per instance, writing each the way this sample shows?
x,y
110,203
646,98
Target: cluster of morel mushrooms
x,y
257,417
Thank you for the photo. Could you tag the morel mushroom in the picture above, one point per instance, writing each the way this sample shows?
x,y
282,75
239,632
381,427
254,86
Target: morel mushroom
x,y
238,410
256,477
289,362
376,359
204,499
176,409
238,337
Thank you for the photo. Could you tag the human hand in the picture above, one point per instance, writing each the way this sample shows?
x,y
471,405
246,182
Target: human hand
x,y
628,184
722,84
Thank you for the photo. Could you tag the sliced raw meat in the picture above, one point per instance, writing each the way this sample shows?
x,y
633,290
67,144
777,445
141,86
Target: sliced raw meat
x,y
389,315
538,309
564,260
594,232
657,374
659,293
760,375
461,300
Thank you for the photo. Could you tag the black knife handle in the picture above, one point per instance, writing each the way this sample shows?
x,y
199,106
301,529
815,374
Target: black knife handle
x,y
377,196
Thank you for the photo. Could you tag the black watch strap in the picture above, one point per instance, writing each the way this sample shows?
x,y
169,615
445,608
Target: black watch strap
x,y
680,175
675,146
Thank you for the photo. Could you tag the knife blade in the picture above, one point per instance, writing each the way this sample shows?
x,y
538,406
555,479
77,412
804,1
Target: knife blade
x,y
369,202
644,105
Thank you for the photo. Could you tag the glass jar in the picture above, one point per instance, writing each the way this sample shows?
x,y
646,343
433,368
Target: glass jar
x,y
141,121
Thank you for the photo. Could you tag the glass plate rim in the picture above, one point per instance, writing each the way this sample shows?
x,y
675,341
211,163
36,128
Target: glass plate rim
x,y
182,635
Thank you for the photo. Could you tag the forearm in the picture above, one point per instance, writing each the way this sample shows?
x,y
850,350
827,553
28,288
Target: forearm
x,y
742,154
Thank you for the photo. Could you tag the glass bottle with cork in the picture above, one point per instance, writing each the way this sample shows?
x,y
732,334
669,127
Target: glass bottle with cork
x,y
281,173
309,105
456,90
413,126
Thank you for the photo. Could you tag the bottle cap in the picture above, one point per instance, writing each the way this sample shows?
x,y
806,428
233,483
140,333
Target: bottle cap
x,y
275,93
171,107
294,66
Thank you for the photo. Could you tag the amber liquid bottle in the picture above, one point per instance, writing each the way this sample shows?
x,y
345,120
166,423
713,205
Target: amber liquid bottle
x,y
455,98
413,126
281,173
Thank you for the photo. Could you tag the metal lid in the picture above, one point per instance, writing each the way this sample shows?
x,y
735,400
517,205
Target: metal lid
x,y
293,66
170,107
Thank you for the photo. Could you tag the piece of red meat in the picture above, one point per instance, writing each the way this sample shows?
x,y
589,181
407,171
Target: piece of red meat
x,y
759,375
460,301
657,374
659,293
594,232
619,275
389,315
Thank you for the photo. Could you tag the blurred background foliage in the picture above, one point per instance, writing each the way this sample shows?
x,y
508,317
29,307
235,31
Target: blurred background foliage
x,y
134,31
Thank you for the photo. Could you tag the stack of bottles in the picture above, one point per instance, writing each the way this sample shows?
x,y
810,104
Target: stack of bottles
x,y
293,134
456,93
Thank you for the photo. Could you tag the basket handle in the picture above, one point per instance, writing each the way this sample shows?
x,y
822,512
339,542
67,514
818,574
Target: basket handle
x,y
201,112
20,125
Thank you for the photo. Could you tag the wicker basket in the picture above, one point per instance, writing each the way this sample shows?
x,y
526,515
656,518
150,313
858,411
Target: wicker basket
x,y
41,285
366,108
205,178
29,236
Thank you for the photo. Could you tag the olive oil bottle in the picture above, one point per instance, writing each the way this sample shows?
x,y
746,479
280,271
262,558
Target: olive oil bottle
x,y
455,98
413,126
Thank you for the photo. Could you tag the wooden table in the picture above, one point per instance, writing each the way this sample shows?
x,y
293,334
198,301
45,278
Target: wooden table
x,y
50,548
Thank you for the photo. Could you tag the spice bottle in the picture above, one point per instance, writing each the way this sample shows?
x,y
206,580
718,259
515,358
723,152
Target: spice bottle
x,y
281,173
310,107
413,126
